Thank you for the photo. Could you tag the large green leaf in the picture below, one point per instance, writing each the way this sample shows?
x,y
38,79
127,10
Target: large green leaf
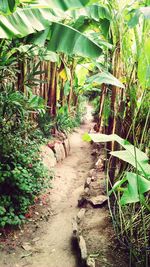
x,y
131,154
63,38
105,77
137,186
25,21
80,44
70,41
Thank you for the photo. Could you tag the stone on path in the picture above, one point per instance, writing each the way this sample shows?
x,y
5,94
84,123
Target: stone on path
x,y
66,146
98,200
48,157
75,227
80,215
90,262
87,182
26,247
59,152
82,246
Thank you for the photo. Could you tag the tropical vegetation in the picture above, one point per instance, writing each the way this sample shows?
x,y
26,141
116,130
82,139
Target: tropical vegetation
x,y
53,56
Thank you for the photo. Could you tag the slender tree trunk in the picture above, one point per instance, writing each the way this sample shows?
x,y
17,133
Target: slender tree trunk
x,y
62,96
21,76
113,125
71,85
102,98
52,90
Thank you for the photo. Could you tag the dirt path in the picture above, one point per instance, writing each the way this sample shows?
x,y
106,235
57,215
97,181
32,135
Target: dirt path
x,y
68,184
54,248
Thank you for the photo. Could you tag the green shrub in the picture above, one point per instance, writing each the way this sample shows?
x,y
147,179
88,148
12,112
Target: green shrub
x,y
22,174
46,124
22,177
66,121
96,106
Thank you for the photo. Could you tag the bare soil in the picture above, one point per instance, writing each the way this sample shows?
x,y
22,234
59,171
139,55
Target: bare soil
x,y
46,239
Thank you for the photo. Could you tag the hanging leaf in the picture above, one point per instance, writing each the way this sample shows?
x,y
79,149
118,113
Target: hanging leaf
x,y
72,42
25,21
105,77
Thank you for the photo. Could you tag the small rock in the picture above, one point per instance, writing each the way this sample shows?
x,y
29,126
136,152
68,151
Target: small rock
x,y
53,250
34,240
48,156
90,262
81,201
97,201
94,152
87,182
82,246
99,164
60,152
63,155
66,146
87,191
93,179
91,172
74,227
37,225
26,255
26,246
80,215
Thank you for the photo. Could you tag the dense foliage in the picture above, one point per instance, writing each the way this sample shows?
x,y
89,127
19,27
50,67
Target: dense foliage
x,y
22,174
104,54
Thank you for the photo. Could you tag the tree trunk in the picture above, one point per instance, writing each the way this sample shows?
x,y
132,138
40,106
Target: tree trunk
x,y
71,85
52,90
102,98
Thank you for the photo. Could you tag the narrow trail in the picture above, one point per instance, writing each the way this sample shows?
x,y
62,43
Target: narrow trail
x,y
54,247
70,176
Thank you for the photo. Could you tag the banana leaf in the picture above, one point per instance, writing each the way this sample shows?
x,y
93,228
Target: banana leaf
x,y
105,77
63,38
